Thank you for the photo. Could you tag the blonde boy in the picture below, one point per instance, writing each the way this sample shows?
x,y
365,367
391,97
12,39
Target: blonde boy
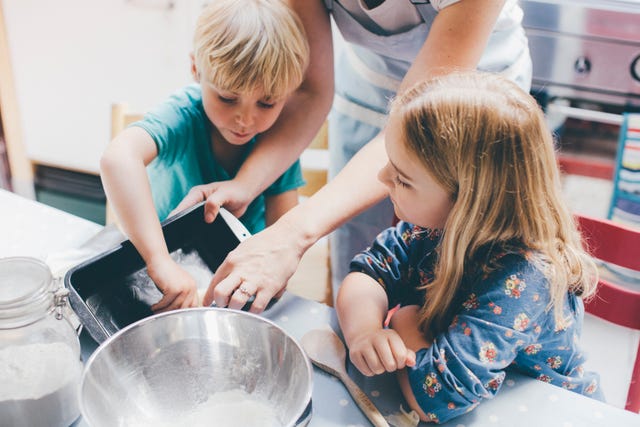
x,y
249,56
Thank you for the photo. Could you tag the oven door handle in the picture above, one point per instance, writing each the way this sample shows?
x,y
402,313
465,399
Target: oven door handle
x,y
584,114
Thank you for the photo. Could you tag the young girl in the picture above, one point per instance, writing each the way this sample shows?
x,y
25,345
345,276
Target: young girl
x,y
486,263
249,57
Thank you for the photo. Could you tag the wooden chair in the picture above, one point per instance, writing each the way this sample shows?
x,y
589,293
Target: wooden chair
x,y
315,162
120,119
619,304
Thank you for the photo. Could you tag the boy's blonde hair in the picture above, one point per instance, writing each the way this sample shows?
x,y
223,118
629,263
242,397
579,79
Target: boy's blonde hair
x,y
486,142
243,45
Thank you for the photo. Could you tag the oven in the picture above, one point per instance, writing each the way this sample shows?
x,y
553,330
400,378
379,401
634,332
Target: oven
x,y
586,73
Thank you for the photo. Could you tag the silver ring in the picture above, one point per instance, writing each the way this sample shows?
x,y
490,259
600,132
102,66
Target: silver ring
x,y
244,291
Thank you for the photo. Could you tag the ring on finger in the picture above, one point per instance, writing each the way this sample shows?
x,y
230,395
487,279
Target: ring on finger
x,y
244,291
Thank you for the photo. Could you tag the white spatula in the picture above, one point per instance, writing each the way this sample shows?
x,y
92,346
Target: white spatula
x,y
327,352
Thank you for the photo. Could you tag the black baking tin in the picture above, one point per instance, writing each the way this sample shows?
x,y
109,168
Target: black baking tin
x,y
104,276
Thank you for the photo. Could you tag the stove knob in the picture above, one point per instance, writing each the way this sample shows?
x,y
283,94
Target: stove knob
x,y
635,68
582,65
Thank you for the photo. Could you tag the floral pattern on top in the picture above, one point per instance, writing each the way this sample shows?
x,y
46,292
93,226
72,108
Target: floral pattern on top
x,y
500,321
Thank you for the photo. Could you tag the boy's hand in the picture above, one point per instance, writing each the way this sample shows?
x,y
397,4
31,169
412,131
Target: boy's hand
x,y
379,351
230,194
177,286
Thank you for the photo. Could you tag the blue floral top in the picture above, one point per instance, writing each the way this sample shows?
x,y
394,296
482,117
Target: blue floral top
x,y
500,321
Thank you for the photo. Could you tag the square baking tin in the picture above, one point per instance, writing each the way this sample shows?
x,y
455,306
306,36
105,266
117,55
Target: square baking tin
x,y
113,289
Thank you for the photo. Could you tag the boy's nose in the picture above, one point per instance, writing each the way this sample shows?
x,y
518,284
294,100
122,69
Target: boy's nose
x,y
244,118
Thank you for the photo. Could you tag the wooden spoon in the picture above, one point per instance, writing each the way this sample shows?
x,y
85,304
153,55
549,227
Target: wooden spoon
x,y
327,352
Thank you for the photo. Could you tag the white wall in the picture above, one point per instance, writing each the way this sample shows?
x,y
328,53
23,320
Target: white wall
x,y
72,59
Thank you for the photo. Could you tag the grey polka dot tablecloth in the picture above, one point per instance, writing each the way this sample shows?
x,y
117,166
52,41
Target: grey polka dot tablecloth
x,y
28,228
522,401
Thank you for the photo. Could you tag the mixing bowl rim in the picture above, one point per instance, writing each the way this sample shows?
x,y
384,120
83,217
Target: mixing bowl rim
x,y
154,317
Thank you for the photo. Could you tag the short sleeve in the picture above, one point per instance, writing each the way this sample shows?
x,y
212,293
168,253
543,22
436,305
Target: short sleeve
x,y
175,123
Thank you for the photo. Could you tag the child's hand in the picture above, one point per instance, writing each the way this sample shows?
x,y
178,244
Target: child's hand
x,y
230,194
375,352
177,286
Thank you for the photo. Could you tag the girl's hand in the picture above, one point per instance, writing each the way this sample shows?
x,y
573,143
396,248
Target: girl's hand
x,y
379,351
230,194
177,286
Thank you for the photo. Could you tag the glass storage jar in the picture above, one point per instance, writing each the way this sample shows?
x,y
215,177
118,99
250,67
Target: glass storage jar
x,y
40,364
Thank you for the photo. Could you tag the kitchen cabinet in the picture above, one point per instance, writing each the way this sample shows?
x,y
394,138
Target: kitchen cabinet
x,y
72,59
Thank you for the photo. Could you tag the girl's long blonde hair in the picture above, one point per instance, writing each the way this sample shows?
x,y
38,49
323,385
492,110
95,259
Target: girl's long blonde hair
x,y
485,141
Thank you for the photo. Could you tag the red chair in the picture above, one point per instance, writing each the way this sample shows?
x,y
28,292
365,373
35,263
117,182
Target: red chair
x,y
617,244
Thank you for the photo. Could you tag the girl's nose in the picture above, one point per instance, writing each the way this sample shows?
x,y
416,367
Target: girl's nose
x,y
384,175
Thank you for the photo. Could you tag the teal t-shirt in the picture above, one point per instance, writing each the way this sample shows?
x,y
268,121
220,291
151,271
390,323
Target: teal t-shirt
x,y
182,133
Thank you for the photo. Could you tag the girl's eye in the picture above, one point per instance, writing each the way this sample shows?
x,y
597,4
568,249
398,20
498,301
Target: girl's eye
x,y
226,100
400,182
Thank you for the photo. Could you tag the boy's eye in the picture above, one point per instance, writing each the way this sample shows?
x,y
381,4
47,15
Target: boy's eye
x,y
267,105
226,100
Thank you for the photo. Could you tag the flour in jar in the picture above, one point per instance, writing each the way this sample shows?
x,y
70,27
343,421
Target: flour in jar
x,y
232,408
39,384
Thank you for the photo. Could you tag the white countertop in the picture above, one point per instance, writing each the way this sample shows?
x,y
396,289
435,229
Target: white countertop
x,y
29,228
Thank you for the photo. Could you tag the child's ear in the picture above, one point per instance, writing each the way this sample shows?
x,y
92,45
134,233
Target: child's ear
x,y
194,68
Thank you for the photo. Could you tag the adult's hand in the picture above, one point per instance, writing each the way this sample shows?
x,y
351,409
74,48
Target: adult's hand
x,y
230,194
259,266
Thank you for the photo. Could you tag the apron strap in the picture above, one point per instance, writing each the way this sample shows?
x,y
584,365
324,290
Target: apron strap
x,y
425,9
423,6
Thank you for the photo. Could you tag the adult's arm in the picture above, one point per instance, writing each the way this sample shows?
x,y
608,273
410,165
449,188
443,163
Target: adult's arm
x,y
278,204
303,115
456,41
267,260
264,263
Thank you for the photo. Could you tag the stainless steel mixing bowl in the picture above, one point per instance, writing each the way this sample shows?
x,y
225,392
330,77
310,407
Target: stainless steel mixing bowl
x,y
164,369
